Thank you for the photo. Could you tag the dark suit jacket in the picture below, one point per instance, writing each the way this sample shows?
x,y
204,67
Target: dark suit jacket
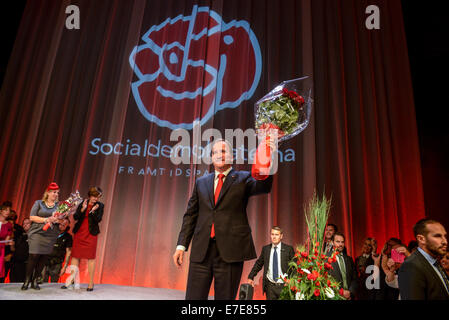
x,y
287,254
94,218
232,231
351,274
418,280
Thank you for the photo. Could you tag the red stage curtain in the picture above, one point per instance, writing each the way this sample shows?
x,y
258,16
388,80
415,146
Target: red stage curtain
x,y
64,88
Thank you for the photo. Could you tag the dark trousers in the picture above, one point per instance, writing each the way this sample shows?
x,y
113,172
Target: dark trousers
x,y
51,271
274,290
226,276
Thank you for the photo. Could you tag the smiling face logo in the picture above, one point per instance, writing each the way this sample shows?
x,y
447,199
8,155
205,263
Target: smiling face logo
x,y
190,67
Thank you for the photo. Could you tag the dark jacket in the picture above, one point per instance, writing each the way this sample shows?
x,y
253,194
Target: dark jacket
x,y
418,280
351,274
232,231
94,218
287,254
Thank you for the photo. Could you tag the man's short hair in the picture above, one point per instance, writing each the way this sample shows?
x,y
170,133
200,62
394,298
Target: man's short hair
x,y
338,234
333,225
277,229
421,227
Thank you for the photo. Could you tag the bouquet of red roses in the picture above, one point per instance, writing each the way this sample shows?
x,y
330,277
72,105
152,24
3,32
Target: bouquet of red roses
x,y
280,115
65,208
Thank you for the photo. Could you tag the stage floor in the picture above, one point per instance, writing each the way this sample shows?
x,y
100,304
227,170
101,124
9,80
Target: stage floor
x,y
53,291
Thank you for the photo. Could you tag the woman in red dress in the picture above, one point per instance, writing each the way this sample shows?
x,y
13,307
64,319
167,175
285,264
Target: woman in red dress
x,y
86,231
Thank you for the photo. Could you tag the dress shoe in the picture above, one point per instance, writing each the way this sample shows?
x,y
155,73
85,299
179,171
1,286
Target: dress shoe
x,y
90,289
69,286
25,285
35,285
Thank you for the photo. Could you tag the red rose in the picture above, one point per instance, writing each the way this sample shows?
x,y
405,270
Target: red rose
x,y
316,292
328,283
317,284
328,266
304,254
341,291
313,275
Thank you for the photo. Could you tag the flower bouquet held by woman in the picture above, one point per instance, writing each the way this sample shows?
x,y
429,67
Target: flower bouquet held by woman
x,y
66,208
280,115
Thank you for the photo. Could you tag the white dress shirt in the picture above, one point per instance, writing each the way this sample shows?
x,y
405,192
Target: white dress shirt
x,y
270,265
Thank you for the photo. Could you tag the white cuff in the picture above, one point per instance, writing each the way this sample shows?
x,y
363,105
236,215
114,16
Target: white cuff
x,y
181,248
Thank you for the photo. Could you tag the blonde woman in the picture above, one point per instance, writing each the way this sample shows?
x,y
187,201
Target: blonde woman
x,y
41,242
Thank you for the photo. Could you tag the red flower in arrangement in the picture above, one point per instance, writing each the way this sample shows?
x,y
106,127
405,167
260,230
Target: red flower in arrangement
x,y
341,291
328,283
331,259
313,275
328,266
316,292
317,283
304,254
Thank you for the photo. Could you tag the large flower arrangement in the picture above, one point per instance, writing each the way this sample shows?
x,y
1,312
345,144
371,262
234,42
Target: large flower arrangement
x,y
308,277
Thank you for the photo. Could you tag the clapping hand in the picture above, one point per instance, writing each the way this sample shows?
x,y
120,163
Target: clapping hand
x,y
83,208
94,208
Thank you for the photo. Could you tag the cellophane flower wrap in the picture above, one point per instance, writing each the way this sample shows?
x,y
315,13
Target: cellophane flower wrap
x,y
308,276
65,208
281,114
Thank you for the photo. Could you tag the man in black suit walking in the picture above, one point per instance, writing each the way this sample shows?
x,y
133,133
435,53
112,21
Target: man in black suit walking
x,y
343,270
216,219
274,259
421,276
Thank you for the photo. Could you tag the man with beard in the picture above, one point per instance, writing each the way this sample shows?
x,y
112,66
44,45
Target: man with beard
x,y
421,277
343,270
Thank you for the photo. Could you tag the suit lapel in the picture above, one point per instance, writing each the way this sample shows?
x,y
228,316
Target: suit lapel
x,y
210,188
431,270
230,178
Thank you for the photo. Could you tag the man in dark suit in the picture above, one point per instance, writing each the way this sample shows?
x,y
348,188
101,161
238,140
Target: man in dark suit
x,y
216,219
420,275
343,270
274,259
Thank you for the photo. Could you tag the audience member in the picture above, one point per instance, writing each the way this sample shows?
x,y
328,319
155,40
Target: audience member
x,y
274,259
393,265
9,250
374,245
421,276
6,234
20,254
328,234
362,262
386,292
59,258
412,246
343,270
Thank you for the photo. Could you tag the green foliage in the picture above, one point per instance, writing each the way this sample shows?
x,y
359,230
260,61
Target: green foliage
x,y
280,112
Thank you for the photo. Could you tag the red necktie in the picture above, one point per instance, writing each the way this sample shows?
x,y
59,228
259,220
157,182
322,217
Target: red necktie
x,y
217,193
